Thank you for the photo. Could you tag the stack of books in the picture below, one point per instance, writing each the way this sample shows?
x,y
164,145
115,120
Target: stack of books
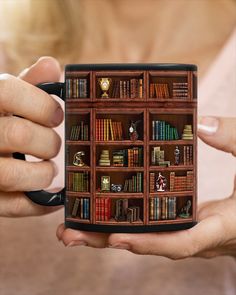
x,y
187,132
180,90
118,158
104,158
181,183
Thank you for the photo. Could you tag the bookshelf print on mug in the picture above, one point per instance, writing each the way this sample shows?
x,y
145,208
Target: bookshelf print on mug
x,y
131,147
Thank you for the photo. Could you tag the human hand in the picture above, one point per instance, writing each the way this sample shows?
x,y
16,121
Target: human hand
x,y
32,134
214,235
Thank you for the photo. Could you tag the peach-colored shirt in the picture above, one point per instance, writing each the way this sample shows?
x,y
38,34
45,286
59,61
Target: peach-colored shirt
x,y
32,261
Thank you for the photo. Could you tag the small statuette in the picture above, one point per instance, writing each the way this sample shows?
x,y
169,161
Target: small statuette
x,y
177,155
105,85
184,213
78,161
161,183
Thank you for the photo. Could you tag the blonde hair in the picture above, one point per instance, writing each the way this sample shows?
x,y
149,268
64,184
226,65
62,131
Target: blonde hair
x,y
39,27
75,30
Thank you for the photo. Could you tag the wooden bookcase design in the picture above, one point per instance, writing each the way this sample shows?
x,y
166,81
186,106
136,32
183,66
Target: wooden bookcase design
x,y
161,101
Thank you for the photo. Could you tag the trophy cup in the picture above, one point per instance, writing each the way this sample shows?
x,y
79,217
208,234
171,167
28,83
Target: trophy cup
x,y
105,84
78,159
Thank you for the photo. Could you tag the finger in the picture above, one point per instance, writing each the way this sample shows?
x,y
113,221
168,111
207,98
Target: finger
x,y
176,245
23,99
46,69
29,138
72,237
16,204
219,133
15,175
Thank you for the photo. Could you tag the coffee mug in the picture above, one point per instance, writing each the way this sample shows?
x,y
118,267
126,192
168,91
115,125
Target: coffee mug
x,y
130,147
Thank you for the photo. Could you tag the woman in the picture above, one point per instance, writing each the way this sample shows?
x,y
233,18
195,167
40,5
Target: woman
x,y
117,31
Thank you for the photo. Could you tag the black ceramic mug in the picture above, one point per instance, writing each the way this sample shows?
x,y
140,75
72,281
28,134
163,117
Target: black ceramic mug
x,y
130,147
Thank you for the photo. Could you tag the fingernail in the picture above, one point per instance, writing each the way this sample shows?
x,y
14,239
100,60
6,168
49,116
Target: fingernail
x,y
77,243
58,116
120,246
208,125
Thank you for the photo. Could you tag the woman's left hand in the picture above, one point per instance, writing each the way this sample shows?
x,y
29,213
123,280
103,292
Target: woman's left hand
x,y
215,233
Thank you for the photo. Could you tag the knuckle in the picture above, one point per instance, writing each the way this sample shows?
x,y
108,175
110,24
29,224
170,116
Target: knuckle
x,y
6,84
55,145
48,175
9,178
18,133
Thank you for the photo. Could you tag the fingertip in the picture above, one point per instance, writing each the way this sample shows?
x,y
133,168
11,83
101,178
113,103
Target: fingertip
x,y
45,69
59,232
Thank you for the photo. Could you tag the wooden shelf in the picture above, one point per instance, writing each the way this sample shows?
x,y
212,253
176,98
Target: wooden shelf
x,y
171,168
75,219
120,142
171,142
114,222
77,168
169,221
107,118
120,195
77,194
77,142
169,194
119,169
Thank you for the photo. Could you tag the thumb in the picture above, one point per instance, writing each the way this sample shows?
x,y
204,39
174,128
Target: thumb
x,y
46,69
219,133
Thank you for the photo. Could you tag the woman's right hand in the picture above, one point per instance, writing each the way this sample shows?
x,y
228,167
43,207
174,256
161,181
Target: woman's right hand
x,y
32,134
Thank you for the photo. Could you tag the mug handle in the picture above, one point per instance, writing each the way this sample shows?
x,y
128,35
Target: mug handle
x,y
42,197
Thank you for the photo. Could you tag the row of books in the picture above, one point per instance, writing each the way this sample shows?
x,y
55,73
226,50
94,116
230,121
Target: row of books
x,y
78,181
129,88
107,129
103,209
159,90
181,183
76,88
79,132
81,208
161,130
122,210
132,157
134,184
188,155
162,208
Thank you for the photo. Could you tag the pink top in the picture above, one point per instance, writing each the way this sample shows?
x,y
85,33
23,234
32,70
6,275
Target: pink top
x,y
34,262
